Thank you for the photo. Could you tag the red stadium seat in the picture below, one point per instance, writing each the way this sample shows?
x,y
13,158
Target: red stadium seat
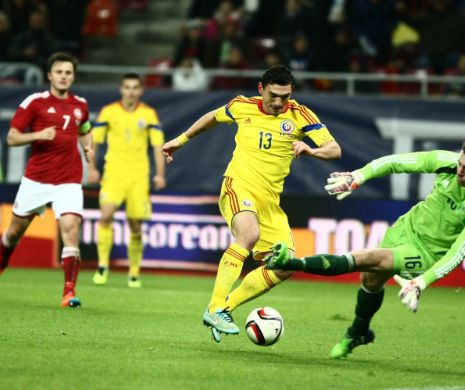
x,y
101,19
156,81
137,5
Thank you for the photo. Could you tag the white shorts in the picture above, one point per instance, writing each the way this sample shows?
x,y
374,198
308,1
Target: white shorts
x,y
32,198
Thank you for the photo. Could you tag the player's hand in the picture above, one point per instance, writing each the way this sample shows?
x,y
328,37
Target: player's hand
x,y
410,291
301,148
169,148
47,134
93,176
159,182
342,184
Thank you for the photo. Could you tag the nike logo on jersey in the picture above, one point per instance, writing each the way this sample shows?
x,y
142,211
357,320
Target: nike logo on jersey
x,y
445,183
51,110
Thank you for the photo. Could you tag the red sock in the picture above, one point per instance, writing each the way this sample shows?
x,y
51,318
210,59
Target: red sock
x,y
71,266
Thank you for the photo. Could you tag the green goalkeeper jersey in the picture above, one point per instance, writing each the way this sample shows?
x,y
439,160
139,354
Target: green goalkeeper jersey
x,y
438,222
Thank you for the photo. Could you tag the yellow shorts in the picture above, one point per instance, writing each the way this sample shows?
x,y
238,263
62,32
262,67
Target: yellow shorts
x,y
133,190
273,223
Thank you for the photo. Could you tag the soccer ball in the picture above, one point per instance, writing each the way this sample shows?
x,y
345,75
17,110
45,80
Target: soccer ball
x,y
264,326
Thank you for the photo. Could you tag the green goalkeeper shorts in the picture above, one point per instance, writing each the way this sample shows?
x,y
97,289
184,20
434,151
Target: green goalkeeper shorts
x,y
410,258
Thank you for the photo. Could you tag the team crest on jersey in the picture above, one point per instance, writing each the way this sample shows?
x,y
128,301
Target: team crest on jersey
x,y
141,124
77,114
247,202
287,126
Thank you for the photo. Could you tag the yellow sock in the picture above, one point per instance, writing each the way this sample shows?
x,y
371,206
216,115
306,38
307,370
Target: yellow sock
x,y
229,270
135,250
104,244
256,283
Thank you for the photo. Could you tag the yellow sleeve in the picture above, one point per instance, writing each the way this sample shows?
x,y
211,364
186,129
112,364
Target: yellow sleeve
x,y
313,128
99,130
226,113
157,137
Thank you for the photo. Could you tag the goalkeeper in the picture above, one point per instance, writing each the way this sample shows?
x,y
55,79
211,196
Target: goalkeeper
x,y
422,246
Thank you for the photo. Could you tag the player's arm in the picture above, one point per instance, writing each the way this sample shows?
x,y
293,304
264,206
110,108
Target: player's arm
x,y
326,146
93,174
99,131
343,183
85,140
157,139
159,180
329,150
204,123
417,162
18,138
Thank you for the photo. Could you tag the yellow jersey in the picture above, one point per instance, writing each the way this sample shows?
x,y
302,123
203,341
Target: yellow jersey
x,y
127,134
263,153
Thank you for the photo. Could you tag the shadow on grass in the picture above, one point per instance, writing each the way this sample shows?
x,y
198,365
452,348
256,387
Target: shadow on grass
x,y
398,367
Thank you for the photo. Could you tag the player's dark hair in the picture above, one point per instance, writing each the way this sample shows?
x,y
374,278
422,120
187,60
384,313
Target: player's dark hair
x,y
278,74
131,76
61,56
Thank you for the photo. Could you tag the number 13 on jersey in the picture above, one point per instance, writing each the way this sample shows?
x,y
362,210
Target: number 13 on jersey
x,y
265,140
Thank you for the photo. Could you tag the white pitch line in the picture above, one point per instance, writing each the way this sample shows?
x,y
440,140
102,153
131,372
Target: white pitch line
x,y
428,388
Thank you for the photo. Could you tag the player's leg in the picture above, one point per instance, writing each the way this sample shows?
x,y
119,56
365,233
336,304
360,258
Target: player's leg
x,y
135,251
11,237
397,255
246,233
273,226
369,300
255,283
138,209
377,259
112,193
29,201
380,266
321,264
70,225
104,242
239,212
67,204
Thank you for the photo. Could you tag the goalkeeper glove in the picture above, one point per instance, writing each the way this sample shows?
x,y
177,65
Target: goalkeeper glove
x,y
343,183
410,291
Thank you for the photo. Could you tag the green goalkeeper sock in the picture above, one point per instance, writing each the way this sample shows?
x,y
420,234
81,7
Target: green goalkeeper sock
x,y
328,265
368,304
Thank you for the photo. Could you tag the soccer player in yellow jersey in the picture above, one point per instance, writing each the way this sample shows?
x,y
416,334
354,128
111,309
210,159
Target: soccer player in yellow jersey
x,y
270,128
128,125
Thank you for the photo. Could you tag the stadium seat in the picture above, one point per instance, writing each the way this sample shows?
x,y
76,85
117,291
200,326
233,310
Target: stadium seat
x,y
136,5
156,81
101,19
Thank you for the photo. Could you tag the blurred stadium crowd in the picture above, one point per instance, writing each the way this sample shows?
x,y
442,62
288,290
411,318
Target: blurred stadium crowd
x,y
30,30
353,36
390,36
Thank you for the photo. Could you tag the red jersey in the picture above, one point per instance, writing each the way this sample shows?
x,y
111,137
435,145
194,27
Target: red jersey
x,y
57,161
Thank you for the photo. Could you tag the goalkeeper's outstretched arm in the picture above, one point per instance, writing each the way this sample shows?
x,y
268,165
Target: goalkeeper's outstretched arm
x,y
342,184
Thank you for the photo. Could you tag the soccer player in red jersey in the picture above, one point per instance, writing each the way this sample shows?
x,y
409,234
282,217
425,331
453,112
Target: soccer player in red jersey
x,y
52,122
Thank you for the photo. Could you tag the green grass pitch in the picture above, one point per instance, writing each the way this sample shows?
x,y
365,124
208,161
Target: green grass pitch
x,y
153,338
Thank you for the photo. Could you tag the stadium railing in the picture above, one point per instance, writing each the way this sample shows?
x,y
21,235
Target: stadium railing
x,y
420,84
20,73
